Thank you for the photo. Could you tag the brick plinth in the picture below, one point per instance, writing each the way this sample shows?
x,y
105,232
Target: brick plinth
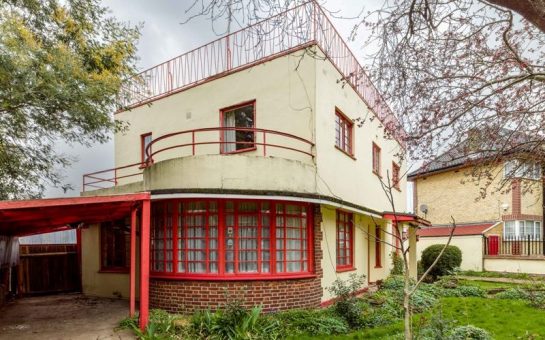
x,y
190,296
186,296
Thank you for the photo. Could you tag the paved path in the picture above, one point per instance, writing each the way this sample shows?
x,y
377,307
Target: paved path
x,y
67,316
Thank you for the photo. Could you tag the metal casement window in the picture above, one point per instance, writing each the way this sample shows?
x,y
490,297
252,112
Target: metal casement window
x,y
343,133
345,240
376,159
194,238
115,246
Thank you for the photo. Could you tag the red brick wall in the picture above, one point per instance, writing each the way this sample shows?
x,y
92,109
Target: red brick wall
x,y
185,296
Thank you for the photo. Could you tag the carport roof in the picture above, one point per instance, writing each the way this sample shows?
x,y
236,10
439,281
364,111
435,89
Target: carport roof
x,y
27,217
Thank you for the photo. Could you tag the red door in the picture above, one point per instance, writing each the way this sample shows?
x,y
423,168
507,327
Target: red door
x,y
493,244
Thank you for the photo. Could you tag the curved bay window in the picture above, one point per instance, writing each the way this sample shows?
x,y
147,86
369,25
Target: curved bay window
x,y
230,238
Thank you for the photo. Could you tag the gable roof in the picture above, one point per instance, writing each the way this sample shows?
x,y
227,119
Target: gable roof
x,y
461,230
464,153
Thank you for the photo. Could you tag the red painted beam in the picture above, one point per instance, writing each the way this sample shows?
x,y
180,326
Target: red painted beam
x,y
144,264
132,295
52,202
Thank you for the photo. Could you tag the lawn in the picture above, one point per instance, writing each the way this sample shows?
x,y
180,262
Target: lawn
x,y
488,284
504,319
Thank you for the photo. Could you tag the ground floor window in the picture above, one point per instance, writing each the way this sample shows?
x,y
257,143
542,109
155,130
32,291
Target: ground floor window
x,y
230,238
115,246
345,240
522,229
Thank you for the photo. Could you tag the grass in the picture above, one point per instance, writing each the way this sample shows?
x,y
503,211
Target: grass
x,y
488,285
504,319
520,276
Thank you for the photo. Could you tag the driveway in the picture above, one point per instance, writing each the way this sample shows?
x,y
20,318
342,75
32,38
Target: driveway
x,y
69,316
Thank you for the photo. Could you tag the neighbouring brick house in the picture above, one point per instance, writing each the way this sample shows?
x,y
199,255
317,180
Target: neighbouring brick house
x,y
244,176
502,231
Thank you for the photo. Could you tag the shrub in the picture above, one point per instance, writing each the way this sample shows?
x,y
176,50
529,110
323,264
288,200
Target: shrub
x,y
395,282
512,294
451,259
469,333
397,264
312,322
346,305
235,322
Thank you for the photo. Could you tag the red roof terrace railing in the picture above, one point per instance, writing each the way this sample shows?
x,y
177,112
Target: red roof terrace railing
x,y
302,26
262,141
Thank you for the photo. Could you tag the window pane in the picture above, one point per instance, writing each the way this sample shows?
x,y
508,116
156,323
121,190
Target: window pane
x,y
241,121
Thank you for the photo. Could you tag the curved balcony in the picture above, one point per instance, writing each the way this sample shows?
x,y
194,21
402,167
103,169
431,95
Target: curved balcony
x,y
185,149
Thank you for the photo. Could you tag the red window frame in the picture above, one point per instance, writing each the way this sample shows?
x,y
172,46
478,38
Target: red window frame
x,y
143,137
378,247
345,241
376,159
222,124
278,220
395,175
115,246
344,133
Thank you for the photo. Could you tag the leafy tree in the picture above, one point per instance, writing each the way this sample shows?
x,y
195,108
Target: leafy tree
x,y
61,66
468,74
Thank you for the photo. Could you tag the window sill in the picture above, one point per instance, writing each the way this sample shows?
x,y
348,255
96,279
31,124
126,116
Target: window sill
x,y
239,151
342,270
346,153
114,271
204,277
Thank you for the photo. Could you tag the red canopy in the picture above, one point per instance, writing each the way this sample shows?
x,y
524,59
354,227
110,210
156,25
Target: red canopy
x,y
20,218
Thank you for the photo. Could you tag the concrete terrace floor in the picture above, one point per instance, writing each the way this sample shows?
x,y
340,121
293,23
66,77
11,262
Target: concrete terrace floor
x,y
66,316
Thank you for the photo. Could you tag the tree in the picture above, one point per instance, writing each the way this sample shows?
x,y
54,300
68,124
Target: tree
x,y
61,66
460,70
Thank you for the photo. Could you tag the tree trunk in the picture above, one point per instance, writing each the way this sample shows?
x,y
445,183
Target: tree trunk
x,y
407,304
531,10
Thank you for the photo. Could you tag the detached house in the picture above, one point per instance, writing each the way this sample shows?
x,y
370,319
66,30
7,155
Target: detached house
x,y
499,231
259,184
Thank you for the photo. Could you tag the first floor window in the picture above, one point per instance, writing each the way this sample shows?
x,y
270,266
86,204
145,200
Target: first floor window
x,y
522,169
345,240
395,175
376,159
238,123
115,245
230,237
145,141
522,230
343,132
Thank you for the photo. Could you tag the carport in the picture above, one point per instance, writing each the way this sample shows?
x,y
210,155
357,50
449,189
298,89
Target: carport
x,y
28,217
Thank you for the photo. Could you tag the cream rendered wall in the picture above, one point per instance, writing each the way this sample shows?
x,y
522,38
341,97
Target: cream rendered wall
x,y
284,102
455,193
329,232
471,247
94,282
515,265
338,174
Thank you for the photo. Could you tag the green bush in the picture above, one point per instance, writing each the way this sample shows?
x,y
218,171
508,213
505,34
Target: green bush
x,y
512,294
395,282
346,305
451,259
397,264
311,322
469,333
234,322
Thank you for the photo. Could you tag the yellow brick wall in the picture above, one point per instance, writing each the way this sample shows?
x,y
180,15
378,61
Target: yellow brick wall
x,y
456,193
532,198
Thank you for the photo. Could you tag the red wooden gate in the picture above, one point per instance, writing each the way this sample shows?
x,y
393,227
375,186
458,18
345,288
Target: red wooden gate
x,y
493,245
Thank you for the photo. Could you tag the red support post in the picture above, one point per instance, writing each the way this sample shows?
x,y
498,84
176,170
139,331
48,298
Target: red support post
x,y
132,295
144,264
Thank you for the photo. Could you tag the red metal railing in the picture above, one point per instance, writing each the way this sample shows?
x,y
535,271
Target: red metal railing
x,y
304,25
262,141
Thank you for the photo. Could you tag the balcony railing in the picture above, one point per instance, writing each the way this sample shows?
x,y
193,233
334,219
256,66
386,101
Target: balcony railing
x,y
201,142
516,246
301,26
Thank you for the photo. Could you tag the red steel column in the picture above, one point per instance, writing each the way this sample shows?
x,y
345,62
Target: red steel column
x,y
144,264
132,295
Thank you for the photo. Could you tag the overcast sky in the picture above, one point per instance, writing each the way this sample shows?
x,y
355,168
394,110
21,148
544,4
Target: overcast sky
x,y
164,37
